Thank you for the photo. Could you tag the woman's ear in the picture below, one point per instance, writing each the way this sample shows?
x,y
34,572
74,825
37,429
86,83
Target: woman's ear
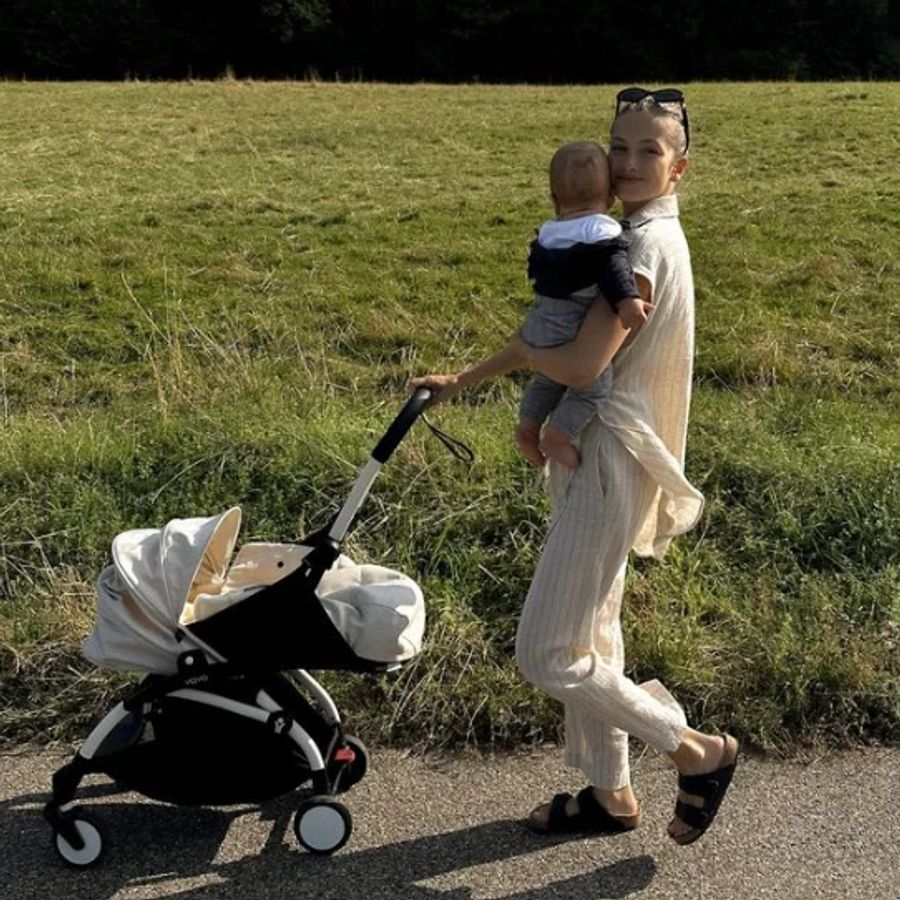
x,y
678,168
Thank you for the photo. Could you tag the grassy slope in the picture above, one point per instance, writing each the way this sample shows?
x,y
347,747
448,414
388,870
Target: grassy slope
x,y
212,294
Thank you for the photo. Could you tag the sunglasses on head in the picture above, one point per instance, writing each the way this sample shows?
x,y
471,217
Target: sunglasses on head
x,y
663,95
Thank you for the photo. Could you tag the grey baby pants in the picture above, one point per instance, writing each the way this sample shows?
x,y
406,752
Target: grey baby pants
x,y
552,321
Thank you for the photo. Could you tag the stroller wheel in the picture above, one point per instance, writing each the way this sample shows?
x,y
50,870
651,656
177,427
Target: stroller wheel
x,y
322,825
91,849
346,774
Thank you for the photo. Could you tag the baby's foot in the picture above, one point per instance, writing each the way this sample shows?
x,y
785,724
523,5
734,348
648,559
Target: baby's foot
x,y
528,436
557,445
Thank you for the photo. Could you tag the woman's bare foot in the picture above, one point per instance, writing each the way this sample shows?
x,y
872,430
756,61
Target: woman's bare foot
x,y
621,803
699,754
557,445
528,436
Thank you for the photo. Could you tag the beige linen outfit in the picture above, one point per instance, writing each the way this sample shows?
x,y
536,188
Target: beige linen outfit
x,y
629,493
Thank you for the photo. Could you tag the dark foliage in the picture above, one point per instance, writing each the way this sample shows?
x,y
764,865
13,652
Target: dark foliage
x,y
451,40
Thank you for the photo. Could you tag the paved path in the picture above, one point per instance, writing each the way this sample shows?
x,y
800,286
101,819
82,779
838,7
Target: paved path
x,y
448,829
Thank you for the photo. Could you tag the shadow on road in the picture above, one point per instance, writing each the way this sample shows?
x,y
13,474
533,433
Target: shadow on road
x,y
148,845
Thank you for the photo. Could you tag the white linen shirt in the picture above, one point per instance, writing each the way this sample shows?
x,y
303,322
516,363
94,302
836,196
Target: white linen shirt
x,y
650,397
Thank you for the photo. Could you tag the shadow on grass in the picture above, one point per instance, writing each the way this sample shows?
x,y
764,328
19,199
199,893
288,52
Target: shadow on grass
x,y
153,850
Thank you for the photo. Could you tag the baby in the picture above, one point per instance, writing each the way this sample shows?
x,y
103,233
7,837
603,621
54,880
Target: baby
x,y
580,252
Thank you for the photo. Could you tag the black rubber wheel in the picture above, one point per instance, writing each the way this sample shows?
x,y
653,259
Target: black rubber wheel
x,y
322,825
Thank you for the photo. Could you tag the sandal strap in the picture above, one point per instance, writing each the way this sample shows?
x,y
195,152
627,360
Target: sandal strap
x,y
692,816
710,789
704,786
592,811
557,820
590,817
710,783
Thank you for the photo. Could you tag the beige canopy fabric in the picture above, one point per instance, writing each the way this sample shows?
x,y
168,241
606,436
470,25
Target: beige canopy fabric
x,y
126,635
141,595
165,579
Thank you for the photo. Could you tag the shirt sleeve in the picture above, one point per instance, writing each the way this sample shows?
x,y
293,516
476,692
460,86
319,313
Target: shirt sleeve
x,y
643,255
615,277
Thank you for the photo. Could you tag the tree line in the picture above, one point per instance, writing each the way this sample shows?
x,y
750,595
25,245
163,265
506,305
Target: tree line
x,y
544,41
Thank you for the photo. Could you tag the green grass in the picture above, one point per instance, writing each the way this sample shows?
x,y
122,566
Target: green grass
x,y
213,294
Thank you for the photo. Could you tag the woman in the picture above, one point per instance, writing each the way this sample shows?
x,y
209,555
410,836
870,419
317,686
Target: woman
x,y
628,493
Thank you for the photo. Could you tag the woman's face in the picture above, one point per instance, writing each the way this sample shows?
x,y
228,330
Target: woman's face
x,y
642,159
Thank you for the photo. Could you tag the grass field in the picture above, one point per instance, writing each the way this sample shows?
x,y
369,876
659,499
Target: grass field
x,y
213,293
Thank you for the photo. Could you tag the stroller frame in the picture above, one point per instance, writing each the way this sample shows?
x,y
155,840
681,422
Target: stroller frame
x,y
265,690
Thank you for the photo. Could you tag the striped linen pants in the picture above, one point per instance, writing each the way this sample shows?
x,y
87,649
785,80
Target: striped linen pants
x,y
569,641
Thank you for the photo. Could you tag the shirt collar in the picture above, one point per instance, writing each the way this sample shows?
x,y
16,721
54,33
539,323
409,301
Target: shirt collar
x,y
661,208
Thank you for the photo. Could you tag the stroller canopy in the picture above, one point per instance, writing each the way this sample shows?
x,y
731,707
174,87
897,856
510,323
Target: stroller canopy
x,y
166,579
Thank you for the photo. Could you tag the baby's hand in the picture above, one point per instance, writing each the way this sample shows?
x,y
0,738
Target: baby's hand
x,y
633,312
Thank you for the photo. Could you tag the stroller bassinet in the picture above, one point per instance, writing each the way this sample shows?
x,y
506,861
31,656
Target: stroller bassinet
x,y
172,587
227,644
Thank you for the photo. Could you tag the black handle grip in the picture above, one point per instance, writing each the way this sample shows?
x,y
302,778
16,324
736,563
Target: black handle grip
x,y
404,421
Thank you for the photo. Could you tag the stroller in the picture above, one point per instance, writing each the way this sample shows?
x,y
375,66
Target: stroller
x,y
228,712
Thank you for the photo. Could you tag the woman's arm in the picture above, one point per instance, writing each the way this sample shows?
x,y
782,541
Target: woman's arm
x,y
512,356
579,362
575,364
503,361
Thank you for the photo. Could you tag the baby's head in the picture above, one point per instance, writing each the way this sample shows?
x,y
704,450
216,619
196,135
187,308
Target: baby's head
x,y
579,179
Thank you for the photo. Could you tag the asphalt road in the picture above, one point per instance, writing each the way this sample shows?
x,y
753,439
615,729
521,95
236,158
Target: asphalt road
x,y
449,829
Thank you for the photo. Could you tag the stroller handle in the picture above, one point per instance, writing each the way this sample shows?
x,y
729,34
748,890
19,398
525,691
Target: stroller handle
x,y
405,420
385,447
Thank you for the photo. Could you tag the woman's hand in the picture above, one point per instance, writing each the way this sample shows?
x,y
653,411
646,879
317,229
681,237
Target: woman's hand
x,y
443,387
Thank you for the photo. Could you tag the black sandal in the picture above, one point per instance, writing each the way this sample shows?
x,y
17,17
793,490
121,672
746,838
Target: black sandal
x,y
591,818
711,788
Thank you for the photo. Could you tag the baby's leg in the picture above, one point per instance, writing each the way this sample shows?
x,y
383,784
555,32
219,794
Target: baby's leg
x,y
528,437
572,413
540,397
557,445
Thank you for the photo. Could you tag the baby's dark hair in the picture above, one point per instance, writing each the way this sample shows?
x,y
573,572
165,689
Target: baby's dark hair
x,y
670,112
579,173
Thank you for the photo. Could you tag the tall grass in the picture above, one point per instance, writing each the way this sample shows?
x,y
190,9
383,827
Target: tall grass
x,y
213,294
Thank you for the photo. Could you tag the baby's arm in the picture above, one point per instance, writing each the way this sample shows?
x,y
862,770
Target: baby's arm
x,y
617,283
